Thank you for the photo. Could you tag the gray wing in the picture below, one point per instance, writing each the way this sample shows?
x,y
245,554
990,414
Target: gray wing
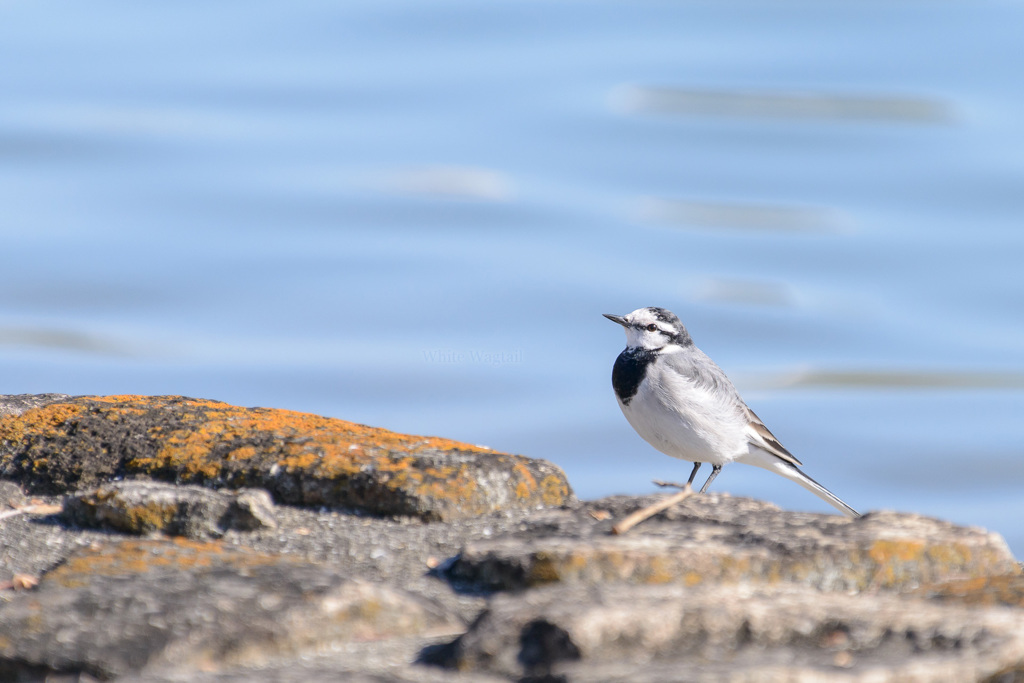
x,y
696,366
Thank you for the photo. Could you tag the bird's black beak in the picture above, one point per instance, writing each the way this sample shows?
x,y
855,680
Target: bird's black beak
x,y
616,319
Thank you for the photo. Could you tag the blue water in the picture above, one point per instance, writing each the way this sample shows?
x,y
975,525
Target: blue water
x,y
412,214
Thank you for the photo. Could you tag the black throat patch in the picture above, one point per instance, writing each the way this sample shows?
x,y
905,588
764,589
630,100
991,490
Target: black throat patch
x,y
629,370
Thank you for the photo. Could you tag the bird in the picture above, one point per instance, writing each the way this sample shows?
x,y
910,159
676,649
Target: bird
x,y
679,401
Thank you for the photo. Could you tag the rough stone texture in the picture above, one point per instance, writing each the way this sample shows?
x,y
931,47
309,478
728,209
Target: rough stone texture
x,y
397,551
250,509
382,661
11,495
397,555
715,589
13,405
713,538
737,632
1005,589
54,444
145,507
125,606
34,544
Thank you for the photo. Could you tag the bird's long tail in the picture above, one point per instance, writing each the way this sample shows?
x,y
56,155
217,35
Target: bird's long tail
x,y
792,472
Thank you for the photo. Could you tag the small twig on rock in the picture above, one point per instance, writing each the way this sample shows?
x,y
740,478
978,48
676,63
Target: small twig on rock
x,y
31,510
651,510
669,484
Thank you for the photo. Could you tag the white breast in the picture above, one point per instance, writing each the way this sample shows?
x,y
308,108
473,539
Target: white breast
x,y
685,420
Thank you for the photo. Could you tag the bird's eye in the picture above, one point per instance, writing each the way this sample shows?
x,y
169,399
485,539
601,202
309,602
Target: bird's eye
x,y
652,328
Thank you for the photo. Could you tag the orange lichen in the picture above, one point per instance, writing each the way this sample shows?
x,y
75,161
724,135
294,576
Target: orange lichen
x,y
951,555
242,453
660,570
215,419
554,490
335,446
1002,589
544,569
456,489
885,552
527,483
201,441
131,557
152,516
46,423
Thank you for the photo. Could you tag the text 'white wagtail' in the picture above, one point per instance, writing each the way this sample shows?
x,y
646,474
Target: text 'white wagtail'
x,y
680,402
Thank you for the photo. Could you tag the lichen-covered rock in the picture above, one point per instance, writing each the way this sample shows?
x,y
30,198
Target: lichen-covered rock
x,y
16,404
63,444
716,538
714,589
147,507
128,606
742,632
1001,589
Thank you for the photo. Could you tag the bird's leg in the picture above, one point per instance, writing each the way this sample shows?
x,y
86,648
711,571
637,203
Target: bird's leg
x,y
688,484
715,469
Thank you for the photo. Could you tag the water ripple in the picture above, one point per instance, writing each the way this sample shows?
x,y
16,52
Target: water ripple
x,y
68,340
949,380
735,215
766,104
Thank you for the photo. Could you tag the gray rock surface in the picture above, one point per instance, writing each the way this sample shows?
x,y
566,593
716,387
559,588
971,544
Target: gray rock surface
x,y
15,404
126,606
733,632
146,507
11,495
714,589
713,538
154,597
381,661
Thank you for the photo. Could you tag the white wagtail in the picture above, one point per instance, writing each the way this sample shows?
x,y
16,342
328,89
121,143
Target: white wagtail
x,y
680,402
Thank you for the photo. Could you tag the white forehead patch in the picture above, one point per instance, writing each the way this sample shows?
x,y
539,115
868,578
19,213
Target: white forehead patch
x,y
642,316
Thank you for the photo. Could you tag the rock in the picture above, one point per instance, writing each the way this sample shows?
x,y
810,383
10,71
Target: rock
x,y
1004,589
249,510
715,589
32,544
55,445
11,495
372,662
145,507
129,606
718,539
16,404
741,632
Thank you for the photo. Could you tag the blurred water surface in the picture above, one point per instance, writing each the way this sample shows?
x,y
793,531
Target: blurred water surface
x,y
412,214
